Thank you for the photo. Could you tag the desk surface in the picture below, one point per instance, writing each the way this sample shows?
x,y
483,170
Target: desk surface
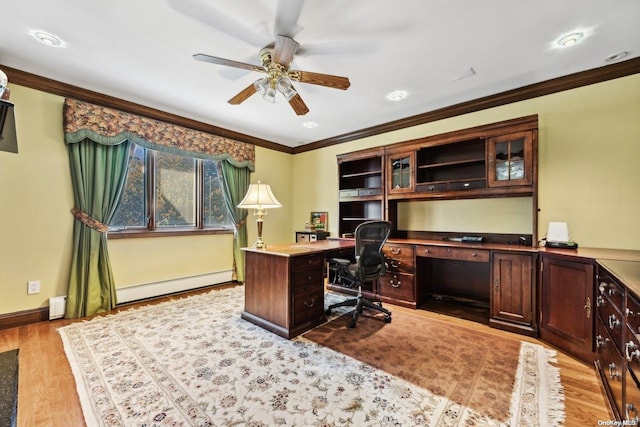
x,y
304,248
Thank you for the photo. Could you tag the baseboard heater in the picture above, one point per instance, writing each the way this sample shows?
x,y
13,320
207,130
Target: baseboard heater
x,y
150,290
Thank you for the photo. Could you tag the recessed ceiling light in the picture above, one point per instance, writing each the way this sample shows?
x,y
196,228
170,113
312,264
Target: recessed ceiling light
x,y
46,38
310,125
616,56
397,95
570,39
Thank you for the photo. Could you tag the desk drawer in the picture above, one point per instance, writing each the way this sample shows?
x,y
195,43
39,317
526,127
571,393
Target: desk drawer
x,y
308,305
398,286
310,262
399,258
610,289
462,254
307,278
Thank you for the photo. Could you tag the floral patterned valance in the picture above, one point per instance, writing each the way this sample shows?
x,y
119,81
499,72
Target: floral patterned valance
x,y
108,126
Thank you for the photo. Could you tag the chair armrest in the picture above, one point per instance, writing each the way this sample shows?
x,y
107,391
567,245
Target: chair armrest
x,y
340,261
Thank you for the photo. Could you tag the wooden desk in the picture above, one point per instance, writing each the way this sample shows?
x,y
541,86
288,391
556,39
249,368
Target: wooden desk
x,y
284,285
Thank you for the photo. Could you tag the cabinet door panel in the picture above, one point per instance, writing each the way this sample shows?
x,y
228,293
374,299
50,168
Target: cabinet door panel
x,y
567,319
512,282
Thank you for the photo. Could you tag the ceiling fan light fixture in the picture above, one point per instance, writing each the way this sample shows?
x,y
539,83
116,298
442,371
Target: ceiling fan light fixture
x,y
284,86
270,95
261,85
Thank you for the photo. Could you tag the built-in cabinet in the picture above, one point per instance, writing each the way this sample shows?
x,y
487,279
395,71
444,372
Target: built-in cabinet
x,y
361,189
495,160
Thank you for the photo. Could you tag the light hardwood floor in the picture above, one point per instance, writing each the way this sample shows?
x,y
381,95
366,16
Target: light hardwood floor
x,y
47,393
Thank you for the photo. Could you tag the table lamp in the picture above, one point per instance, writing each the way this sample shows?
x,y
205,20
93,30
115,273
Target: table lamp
x,y
260,198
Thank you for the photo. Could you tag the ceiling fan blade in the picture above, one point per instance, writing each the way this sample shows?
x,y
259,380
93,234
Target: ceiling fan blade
x,y
287,15
298,105
284,50
327,80
243,95
228,62
203,12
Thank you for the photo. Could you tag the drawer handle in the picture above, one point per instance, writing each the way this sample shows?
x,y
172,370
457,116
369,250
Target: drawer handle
x,y
613,322
309,261
612,292
426,251
309,278
474,254
613,372
600,301
629,312
602,287
466,185
601,341
395,251
395,264
395,283
310,304
432,187
635,353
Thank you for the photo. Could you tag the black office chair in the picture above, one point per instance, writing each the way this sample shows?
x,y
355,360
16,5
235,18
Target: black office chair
x,y
369,266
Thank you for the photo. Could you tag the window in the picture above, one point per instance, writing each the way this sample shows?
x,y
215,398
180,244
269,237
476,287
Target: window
x,y
167,192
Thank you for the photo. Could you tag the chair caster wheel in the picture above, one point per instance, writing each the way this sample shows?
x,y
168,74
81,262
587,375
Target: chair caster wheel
x,y
327,312
387,319
352,323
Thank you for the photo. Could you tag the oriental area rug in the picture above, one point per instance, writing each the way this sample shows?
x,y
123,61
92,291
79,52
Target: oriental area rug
x,y
195,362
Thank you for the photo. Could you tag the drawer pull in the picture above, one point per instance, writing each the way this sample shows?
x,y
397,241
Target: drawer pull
x,y
309,278
600,301
635,353
395,264
310,304
474,254
395,251
466,185
426,251
612,292
601,341
613,372
613,322
629,312
602,287
432,187
395,283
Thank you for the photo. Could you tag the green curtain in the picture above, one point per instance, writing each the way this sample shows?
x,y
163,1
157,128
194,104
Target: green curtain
x,y
98,175
235,185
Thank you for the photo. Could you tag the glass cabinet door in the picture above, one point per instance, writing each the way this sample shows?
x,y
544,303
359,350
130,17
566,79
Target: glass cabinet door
x,y
510,160
400,171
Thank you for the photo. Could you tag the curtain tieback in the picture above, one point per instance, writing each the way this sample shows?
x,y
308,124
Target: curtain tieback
x,y
89,221
241,223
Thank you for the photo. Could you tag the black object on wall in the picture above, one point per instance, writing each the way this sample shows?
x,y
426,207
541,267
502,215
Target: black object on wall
x,y
8,136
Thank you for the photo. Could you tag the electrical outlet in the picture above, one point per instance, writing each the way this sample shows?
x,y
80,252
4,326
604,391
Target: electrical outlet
x,y
33,287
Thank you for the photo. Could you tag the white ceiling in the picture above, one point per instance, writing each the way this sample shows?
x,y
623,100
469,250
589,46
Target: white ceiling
x,y
141,51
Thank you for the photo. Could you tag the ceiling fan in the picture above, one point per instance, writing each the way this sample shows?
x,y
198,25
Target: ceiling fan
x,y
276,60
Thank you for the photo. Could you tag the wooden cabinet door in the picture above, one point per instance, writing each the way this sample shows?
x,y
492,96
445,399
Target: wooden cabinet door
x,y
512,296
510,160
400,176
567,305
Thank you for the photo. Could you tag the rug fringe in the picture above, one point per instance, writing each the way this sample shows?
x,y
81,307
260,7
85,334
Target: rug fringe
x,y
548,390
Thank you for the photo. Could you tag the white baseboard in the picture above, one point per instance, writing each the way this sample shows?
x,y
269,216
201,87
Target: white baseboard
x,y
150,290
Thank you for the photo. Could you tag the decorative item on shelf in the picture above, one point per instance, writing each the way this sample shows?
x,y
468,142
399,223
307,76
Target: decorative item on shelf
x,y
308,226
4,90
260,198
319,221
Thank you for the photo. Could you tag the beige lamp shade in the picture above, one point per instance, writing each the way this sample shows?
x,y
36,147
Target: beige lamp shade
x,y
259,196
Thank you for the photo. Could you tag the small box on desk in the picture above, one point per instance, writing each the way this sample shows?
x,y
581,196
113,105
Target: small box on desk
x,y
311,236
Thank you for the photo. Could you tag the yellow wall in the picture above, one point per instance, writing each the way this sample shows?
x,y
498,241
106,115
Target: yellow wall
x,y
589,164
588,176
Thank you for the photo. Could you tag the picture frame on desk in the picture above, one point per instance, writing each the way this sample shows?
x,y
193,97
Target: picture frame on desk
x,y
319,221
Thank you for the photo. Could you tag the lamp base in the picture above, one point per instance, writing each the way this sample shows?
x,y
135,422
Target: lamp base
x,y
259,244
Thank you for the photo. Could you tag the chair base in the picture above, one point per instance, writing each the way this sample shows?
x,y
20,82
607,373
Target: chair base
x,y
360,303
